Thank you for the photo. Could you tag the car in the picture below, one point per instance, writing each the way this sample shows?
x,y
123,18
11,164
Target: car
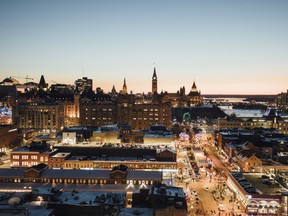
x,y
279,191
252,192
245,184
221,207
265,177
206,188
249,188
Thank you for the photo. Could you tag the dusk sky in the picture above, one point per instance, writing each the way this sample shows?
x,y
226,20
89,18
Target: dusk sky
x,y
228,47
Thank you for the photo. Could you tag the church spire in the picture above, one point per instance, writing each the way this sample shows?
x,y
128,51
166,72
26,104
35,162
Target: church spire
x,y
194,88
113,91
154,74
124,89
42,84
154,82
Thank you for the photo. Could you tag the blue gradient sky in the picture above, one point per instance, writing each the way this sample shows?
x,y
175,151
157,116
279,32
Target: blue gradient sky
x,y
237,47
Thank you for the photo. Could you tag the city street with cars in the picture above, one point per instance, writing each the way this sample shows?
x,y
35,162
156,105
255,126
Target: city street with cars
x,y
205,186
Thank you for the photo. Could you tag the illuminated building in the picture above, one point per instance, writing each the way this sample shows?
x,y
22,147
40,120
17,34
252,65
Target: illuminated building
x,y
27,156
118,175
8,136
39,116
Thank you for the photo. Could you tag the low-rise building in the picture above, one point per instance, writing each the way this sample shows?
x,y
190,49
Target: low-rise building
x,y
257,193
57,160
118,175
34,154
8,137
139,158
107,134
165,200
248,161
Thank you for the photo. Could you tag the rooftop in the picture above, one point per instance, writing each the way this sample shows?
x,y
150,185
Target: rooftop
x,y
136,211
93,198
168,190
263,183
61,155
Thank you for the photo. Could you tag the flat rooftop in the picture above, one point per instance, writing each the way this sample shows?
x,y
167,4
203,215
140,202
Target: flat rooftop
x,y
169,191
144,158
262,185
170,145
93,198
61,155
136,211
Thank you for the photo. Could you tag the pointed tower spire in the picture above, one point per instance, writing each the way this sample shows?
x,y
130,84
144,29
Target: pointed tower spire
x,y
194,88
113,91
124,89
42,84
154,82
154,73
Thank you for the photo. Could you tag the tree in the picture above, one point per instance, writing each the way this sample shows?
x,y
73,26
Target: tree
x,y
187,117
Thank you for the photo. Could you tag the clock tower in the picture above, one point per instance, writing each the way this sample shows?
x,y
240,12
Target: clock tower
x,y
154,82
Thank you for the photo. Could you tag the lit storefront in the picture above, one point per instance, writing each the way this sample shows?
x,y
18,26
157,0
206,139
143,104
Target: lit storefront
x,y
263,206
255,204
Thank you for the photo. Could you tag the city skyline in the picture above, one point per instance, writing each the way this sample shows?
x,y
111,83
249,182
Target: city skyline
x,y
225,47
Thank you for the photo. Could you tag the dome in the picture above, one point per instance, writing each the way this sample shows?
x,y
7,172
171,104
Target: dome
x,y
11,81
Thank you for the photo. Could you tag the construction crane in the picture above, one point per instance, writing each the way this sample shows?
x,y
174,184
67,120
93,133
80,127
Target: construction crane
x,y
26,78
54,81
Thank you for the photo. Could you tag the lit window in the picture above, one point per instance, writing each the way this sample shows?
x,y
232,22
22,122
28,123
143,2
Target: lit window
x,y
25,163
15,156
15,163
24,157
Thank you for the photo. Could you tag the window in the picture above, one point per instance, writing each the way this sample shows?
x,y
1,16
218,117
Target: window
x,y
34,157
16,157
15,163
24,157
25,163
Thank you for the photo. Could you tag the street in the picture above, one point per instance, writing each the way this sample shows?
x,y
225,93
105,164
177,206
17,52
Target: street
x,y
207,193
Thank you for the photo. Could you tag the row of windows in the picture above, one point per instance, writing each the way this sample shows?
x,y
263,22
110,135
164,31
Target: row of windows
x,y
96,181
146,119
82,181
110,110
25,157
107,165
243,124
100,110
24,163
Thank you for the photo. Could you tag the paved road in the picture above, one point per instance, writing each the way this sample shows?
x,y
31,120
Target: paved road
x,y
207,205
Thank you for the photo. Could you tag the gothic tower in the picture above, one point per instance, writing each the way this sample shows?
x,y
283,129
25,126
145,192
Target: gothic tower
x,y
124,89
194,88
154,82
42,84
